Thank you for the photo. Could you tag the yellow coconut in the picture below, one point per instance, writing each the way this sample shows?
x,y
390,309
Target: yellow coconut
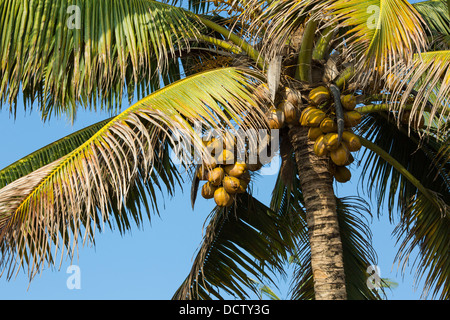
x,y
293,96
216,176
208,190
319,147
348,102
254,166
351,140
342,174
262,91
226,157
242,186
340,155
229,142
215,146
209,162
328,125
231,184
352,118
202,173
350,160
236,169
314,133
319,95
305,113
245,177
222,197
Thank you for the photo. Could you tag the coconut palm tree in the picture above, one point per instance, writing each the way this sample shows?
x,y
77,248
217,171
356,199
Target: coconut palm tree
x,y
376,70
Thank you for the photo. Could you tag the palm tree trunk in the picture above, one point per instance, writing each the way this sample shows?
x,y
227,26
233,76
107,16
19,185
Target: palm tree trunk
x,y
323,228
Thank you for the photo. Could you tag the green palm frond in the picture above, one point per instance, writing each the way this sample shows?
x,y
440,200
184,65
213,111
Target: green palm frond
x,y
48,154
366,27
81,189
407,149
443,154
410,177
380,33
437,22
276,21
428,77
358,252
354,214
64,53
197,6
241,243
422,228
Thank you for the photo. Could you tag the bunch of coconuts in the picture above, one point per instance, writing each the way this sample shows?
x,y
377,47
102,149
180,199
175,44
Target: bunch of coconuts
x,y
321,118
224,175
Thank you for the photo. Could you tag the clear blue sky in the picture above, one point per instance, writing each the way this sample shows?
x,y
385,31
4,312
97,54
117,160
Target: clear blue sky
x,y
148,263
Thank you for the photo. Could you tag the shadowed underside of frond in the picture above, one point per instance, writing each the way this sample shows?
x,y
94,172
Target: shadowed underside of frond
x,y
81,190
423,229
358,252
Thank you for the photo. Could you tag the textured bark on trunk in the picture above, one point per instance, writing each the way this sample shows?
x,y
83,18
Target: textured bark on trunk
x,y
323,228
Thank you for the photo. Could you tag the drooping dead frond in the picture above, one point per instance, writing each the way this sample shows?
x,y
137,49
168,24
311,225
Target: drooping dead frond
x,y
241,242
428,79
